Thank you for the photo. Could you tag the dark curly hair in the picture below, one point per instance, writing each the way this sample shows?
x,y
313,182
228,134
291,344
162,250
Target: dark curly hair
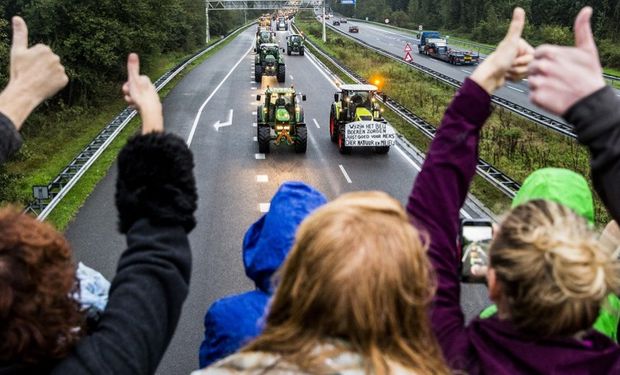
x,y
39,320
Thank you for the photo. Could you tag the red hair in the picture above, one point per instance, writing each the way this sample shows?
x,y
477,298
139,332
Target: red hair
x,y
39,320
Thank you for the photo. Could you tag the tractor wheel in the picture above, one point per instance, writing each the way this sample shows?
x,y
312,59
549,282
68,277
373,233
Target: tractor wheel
x,y
264,138
281,73
258,73
301,52
345,150
302,140
382,149
333,135
288,51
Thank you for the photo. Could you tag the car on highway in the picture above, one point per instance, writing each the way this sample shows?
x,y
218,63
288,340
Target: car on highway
x,y
354,29
269,62
336,22
356,120
280,119
343,20
295,44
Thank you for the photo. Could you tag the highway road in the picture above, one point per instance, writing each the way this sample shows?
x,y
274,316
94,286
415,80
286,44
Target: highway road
x,y
394,41
235,183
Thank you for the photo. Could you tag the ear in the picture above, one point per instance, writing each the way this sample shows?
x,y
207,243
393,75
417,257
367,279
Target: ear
x,y
495,289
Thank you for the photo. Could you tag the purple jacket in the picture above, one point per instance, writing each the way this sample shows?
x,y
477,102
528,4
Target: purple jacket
x,y
485,346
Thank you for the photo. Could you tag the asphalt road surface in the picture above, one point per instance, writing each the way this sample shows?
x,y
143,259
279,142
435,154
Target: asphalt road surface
x,y
235,183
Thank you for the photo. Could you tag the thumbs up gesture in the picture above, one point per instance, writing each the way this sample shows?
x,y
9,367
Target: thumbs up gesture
x,y
510,59
561,76
35,75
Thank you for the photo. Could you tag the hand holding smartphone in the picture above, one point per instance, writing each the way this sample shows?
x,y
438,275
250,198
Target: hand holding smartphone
x,y
475,238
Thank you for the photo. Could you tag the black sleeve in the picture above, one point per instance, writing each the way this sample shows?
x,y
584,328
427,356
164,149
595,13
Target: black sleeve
x,y
156,199
10,140
597,124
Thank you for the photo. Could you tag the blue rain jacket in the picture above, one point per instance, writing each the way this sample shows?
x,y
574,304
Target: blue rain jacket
x,y
233,321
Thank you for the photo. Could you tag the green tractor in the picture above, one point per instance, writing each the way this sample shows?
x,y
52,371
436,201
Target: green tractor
x,y
264,36
269,62
295,43
356,120
280,118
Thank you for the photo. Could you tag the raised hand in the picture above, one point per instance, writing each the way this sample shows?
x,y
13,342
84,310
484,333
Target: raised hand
x,y
509,61
35,75
141,94
561,76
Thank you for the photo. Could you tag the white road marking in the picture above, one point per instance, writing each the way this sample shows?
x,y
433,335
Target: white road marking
x,y
219,124
465,71
345,174
202,107
264,207
316,123
292,77
262,178
253,88
259,156
516,89
525,79
254,124
255,139
253,113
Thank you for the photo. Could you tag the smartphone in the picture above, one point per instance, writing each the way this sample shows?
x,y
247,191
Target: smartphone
x,y
475,238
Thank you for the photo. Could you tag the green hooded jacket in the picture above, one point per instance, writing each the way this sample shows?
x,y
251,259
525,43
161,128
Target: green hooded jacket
x,y
571,190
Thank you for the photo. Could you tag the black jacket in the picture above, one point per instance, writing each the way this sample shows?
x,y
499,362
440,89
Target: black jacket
x,y
156,199
10,141
597,124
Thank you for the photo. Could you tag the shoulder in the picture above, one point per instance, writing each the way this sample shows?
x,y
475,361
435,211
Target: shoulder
x,y
249,363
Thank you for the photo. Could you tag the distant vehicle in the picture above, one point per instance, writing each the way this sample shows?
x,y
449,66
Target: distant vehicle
x,y
281,115
295,43
282,24
432,44
354,29
336,22
269,62
356,120
343,20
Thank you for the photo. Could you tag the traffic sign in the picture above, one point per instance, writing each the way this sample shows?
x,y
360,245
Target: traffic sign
x,y
408,57
408,48
420,27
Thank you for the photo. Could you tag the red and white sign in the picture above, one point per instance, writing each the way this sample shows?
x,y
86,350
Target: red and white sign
x,y
408,57
408,48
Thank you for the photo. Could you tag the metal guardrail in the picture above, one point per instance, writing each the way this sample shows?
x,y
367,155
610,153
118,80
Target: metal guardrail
x,y
494,176
56,190
538,118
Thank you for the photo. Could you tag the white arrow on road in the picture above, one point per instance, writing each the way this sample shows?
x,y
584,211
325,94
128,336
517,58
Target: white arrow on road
x,y
219,124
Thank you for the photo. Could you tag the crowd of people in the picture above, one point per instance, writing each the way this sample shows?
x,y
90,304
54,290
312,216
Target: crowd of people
x,y
357,285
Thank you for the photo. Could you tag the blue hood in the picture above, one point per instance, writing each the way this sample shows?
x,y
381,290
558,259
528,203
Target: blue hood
x,y
269,240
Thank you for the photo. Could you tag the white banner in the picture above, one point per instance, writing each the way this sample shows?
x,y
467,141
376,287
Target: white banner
x,y
369,134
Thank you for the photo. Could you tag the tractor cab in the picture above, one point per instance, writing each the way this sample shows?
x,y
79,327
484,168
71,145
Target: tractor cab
x,y
281,114
358,101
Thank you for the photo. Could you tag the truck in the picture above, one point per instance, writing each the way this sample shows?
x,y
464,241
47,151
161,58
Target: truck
x,y
280,119
432,44
269,62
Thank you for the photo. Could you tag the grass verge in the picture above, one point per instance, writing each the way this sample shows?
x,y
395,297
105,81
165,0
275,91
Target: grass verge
x,y
511,143
80,127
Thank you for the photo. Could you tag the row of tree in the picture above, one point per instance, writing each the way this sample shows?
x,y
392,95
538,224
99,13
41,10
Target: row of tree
x,y
549,21
93,37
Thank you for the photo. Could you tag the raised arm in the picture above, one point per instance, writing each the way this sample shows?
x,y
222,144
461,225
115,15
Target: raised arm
x,y
441,187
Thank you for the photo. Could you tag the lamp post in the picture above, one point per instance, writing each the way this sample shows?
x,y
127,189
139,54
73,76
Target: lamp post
x,y
324,32
208,34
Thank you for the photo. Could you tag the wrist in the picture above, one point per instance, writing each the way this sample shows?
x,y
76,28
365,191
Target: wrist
x,y
17,103
486,77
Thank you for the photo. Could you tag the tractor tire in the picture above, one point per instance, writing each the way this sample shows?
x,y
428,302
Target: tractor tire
x,y
333,135
345,150
264,139
382,149
301,52
301,144
281,73
258,73
288,51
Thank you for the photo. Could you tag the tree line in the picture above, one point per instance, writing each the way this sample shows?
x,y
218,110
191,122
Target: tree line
x,y
93,37
549,21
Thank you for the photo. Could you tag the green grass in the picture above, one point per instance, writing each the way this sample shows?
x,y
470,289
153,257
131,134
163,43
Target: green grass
x,y
80,127
509,142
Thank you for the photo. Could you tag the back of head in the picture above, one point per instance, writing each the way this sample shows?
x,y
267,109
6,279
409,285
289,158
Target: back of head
x,y
358,274
38,317
553,273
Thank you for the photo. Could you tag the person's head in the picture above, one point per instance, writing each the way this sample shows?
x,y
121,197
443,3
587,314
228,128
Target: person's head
x,y
39,319
268,241
358,278
548,273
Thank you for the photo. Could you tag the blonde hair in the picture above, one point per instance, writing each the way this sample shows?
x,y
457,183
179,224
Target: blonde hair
x,y
358,275
554,274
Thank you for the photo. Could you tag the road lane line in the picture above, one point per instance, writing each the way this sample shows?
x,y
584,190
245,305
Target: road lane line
x,y
262,178
255,139
516,89
345,174
465,71
292,77
316,123
264,207
259,156
202,107
254,124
